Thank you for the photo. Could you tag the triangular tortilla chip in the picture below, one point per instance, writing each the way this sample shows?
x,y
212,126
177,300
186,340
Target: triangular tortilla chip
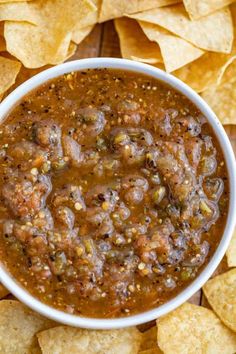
x,y
213,33
134,44
199,8
117,8
176,52
48,41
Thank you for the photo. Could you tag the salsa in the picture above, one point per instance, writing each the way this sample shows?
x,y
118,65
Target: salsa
x,y
114,192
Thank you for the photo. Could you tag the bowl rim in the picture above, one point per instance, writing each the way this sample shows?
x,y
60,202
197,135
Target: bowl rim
x,y
123,64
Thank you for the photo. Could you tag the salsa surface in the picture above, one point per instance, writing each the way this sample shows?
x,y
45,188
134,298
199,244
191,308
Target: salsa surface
x,y
114,193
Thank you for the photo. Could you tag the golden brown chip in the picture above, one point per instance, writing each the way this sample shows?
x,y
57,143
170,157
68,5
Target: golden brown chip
x,y
9,70
149,339
231,251
213,33
192,329
222,99
199,8
134,44
71,50
221,294
3,291
34,46
117,8
71,340
18,326
205,72
79,34
176,52
19,12
48,42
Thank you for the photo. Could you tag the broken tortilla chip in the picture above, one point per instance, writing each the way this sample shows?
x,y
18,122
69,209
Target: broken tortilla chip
x,y
213,33
176,52
9,70
221,294
222,99
48,42
71,340
134,44
199,8
18,326
193,329
117,8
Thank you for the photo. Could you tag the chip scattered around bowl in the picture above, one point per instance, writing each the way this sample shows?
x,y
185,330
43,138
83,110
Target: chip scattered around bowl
x,y
221,294
71,340
192,329
18,326
231,252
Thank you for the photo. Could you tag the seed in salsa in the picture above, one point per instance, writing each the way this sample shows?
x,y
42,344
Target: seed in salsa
x,y
114,193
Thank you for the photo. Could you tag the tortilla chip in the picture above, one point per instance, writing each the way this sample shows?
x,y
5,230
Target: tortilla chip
x,y
176,52
231,251
18,326
71,12
36,46
78,35
3,291
213,33
221,294
193,329
205,72
9,70
149,339
48,42
117,8
199,8
222,99
71,50
134,44
71,340
18,12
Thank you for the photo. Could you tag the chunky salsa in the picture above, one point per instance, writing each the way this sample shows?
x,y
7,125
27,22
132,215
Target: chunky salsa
x,y
114,192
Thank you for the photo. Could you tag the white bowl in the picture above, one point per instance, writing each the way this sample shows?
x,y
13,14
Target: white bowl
x,y
78,321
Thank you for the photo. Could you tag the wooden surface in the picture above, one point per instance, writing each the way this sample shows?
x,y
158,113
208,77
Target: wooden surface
x,y
103,42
